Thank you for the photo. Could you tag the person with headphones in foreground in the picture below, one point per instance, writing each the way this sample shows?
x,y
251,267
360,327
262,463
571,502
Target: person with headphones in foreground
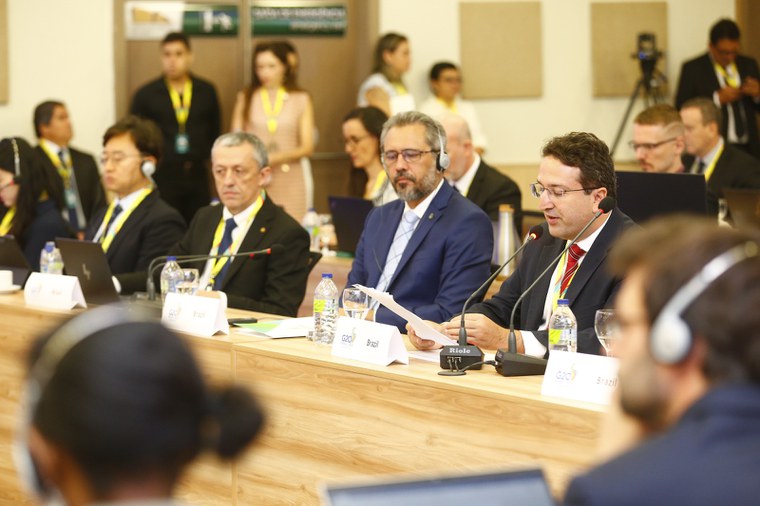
x,y
116,408
137,226
688,398
431,248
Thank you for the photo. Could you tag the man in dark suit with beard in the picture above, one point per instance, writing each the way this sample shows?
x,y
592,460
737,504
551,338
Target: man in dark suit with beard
x,y
248,220
78,170
731,81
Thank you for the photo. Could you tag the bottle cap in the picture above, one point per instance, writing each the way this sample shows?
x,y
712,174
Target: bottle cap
x,y
171,259
49,246
327,275
563,301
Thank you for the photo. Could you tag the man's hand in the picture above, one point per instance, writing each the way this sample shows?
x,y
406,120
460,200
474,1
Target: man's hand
x,y
481,331
418,342
751,87
729,94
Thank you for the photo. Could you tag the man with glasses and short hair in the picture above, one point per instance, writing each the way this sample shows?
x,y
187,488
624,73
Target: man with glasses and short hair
x,y
138,225
248,220
658,139
431,248
576,172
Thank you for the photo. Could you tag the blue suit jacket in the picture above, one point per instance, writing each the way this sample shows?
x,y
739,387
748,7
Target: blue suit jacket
x,y
448,256
711,456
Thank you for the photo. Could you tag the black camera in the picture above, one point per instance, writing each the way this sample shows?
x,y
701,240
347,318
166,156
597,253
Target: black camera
x,y
647,53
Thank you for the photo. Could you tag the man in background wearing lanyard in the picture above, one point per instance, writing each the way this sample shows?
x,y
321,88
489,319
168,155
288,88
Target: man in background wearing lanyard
x,y
731,81
724,165
137,226
248,220
186,109
81,180
576,172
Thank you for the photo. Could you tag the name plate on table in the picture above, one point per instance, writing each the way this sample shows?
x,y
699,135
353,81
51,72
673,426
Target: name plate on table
x,y
580,377
371,342
53,291
196,314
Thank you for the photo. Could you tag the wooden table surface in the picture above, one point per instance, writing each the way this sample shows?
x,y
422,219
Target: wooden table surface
x,y
332,419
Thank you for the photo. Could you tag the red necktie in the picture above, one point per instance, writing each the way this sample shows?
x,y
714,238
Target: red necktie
x,y
574,254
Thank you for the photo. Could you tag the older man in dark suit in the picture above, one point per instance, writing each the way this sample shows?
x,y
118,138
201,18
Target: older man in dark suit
x,y
731,81
248,220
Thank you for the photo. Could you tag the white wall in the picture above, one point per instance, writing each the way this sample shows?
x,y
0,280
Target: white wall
x,y
517,128
60,50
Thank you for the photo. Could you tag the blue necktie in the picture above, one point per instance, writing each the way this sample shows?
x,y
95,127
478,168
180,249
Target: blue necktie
x,y
229,226
400,240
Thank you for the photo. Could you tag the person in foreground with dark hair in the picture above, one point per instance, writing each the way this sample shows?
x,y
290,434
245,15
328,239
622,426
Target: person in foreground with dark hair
x,y
138,225
575,174
116,409
688,398
31,195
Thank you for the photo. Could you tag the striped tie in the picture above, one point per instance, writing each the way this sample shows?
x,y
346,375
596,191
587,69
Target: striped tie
x,y
400,240
574,254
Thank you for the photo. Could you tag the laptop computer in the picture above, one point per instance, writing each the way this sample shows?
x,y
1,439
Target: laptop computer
x,y
86,261
348,216
13,259
516,487
743,207
645,195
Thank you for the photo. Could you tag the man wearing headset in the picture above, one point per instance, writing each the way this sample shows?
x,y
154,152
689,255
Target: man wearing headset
x,y
137,226
431,248
689,380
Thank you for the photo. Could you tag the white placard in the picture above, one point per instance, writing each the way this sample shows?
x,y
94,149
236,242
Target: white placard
x,y
53,291
195,314
580,377
366,341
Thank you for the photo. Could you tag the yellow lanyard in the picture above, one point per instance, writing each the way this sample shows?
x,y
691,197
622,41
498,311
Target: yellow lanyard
x,y
710,168
219,263
730,79
63,166
181,105
556,294
451,107
5,225
107,237
400,88
379,182
272,112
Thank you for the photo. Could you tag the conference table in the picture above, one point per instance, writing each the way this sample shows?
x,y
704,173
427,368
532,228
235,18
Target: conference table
x,y
336,420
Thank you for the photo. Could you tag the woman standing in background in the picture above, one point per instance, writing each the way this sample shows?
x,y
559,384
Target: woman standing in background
x,y
385,88
275,110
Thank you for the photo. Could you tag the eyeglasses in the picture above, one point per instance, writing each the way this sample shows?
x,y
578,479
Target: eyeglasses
x,y
409,155
117,157
649,146
353,141
536,189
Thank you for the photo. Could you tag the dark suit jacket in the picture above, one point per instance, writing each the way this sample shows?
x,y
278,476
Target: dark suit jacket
x,y
149,232
592,287
86,178
270,284
711,456
734,169
698,79
46,226
445,261
490,188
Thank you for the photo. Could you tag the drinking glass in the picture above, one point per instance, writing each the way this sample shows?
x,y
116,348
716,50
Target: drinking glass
x,y
355,303
605,327
188,285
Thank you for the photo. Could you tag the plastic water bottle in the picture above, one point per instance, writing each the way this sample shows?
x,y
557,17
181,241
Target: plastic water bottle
x,y
171,276
50,259
325,310
311,224
563,328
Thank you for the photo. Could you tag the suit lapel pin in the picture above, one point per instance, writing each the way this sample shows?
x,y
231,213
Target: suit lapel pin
x,y
263,229
431,216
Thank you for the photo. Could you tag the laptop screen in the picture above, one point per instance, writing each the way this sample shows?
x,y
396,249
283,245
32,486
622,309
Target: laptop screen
x,y
644,195
518,487
86,261
348,216
13,259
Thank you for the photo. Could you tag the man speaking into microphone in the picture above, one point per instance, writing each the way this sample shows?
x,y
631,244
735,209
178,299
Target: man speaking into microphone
x,y
575,174
248,220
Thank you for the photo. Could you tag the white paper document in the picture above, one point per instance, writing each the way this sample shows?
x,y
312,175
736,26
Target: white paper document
x,y
279,329
422,329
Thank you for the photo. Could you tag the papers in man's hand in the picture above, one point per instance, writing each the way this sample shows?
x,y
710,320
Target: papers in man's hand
x,y
422,329
279,329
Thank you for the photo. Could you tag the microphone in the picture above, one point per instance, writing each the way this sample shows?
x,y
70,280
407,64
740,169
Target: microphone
x,y
187,259
463,355
511,363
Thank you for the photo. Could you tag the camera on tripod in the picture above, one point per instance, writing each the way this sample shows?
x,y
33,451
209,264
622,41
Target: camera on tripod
x,y
647,53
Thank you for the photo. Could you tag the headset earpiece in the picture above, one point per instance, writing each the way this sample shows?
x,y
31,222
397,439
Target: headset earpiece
x,y
442,161
16,158
148,168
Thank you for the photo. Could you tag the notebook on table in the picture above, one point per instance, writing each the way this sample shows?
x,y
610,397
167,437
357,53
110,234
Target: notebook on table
x,y
87,261
348,216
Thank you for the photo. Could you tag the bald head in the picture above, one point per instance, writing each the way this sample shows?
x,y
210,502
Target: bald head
x,y
458,145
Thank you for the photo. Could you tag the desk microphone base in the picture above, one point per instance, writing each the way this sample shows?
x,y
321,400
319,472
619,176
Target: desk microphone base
x,y
516,364
455,358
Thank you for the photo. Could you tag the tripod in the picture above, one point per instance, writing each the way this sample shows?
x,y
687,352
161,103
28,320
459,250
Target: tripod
x,y
650,83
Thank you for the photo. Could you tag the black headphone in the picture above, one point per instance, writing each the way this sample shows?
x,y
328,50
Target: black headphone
x,y
670,338
42,371
442,161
